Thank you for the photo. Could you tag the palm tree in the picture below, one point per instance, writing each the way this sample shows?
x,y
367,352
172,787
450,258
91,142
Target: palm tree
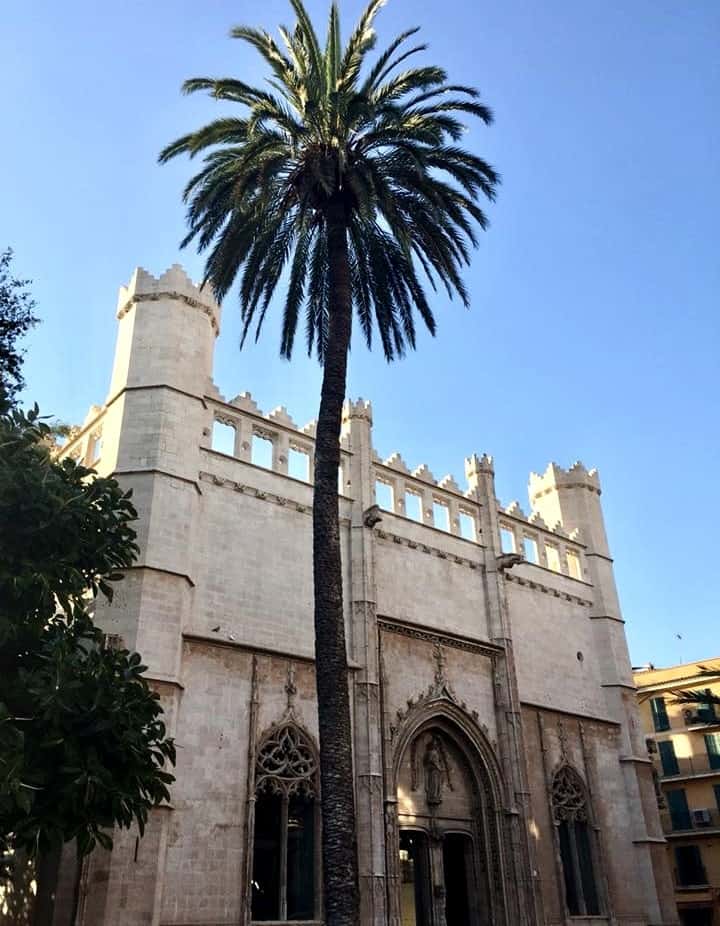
x,y
347,177
705,699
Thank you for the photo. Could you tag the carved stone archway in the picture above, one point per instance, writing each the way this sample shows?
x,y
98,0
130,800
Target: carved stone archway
x,y
446,786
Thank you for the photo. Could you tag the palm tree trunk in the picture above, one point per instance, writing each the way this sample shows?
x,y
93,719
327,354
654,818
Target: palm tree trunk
x,y
48,867
339,846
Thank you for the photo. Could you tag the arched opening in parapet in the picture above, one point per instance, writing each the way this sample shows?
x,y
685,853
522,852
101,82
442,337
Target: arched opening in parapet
x,y
449,827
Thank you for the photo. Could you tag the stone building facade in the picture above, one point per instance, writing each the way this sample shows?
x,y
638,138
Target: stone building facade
x,y
500,766
684,743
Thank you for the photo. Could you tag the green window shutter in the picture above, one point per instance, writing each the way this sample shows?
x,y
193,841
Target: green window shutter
x,y
712,744
668,758
659,714
679,810
690,868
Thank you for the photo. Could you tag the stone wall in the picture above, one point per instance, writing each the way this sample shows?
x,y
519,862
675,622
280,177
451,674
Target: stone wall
x,y
518,666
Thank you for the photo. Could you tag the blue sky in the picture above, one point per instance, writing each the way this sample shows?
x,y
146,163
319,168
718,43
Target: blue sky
x,y
594,327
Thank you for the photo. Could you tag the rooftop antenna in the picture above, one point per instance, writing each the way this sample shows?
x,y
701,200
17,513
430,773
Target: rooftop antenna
x,y
679,637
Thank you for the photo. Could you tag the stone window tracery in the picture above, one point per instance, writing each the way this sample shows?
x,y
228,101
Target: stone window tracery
x,y
285,870
575,837
286,763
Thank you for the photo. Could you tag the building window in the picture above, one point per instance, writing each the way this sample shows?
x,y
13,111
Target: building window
x,y
552,555
507,540
668,758
659,714
530,549
689,868
285,875
716,789
706,709
261,451
441,516
384,495
575,837
573,562
413,506
95,448
223,438
466,526
299,464
712,744
679,810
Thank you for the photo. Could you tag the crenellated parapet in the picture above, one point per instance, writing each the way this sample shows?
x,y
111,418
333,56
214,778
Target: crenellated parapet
x,y
173,284
555,477
361,409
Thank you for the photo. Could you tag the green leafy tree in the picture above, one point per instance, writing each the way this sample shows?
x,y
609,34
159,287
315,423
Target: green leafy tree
x,y
83,747
16,319
346,175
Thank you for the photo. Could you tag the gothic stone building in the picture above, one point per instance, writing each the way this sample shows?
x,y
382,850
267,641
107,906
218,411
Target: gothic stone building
x,y
500,768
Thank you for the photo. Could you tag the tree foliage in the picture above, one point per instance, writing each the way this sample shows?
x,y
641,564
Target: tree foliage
x,y
82,743
378,140
701,696
16,319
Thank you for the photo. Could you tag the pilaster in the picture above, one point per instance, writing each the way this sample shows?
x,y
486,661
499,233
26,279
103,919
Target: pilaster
x,y
523,899
363,646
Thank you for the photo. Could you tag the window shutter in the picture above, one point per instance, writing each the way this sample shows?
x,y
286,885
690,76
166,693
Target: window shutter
x,y
668,758
712,744
659,714
678,807
690,869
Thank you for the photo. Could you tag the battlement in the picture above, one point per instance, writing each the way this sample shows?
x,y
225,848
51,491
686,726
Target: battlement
x,y
173,284
555,477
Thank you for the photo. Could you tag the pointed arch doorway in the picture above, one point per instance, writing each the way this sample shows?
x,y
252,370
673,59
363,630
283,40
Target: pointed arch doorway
x,y
448,843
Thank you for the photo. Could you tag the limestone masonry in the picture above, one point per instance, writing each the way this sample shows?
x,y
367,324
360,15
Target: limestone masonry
x,y
501,770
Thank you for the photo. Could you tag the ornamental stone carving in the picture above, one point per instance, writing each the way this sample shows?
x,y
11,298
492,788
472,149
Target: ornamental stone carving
x,y
286,762
569,799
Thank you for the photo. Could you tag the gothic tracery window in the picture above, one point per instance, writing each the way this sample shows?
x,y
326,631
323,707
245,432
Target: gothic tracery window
x,y
284,881
571,817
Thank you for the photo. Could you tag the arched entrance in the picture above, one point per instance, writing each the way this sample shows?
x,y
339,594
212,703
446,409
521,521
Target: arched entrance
x,y
448,821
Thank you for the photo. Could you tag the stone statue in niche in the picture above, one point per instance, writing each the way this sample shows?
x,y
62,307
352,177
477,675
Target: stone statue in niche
x,y
434,771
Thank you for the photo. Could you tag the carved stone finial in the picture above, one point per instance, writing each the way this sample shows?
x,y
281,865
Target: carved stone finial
x,y
562,738
474,465
440,662
290,687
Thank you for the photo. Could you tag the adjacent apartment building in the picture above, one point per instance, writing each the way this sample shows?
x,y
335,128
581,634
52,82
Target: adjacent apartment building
x,y
501,772
684,742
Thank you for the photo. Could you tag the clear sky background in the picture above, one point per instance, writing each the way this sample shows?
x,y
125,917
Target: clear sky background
x,y
594,329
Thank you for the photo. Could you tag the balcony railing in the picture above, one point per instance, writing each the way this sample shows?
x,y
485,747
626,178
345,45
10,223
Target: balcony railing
x,y
701,717
691,765
690,820
693,879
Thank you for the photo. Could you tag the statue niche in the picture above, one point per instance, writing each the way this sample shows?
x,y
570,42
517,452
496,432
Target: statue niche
x,y
436,771
431,772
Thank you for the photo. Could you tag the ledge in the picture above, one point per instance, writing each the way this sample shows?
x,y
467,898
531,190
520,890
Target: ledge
x,y
251,648
638,760
168,572
158,472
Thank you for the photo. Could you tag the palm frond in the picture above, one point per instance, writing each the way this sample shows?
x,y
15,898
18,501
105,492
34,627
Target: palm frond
x,y
384,141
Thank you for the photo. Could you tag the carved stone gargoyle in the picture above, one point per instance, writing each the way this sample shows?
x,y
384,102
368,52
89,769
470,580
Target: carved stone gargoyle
x,y
371,516
508,560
